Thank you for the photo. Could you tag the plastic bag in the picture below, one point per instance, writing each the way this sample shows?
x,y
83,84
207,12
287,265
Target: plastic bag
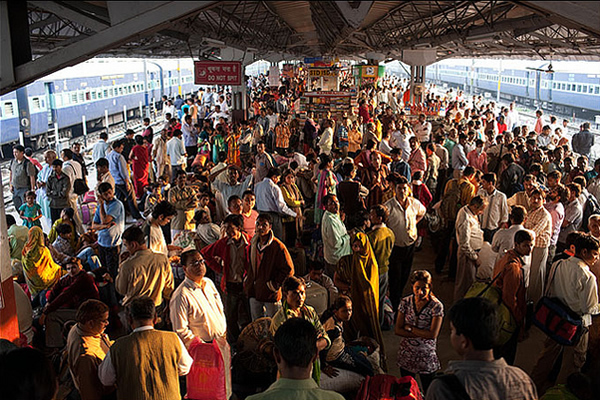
x,y
206,379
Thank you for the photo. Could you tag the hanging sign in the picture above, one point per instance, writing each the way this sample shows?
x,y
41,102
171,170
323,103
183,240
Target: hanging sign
x,y
218,73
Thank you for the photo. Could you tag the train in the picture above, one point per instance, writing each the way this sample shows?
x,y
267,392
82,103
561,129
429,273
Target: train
x,y
93,93
573,89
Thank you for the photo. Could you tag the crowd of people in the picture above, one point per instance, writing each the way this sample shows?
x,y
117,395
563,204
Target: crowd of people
x,y
209,230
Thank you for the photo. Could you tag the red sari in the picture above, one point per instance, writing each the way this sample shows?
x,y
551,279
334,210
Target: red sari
x,y
139,163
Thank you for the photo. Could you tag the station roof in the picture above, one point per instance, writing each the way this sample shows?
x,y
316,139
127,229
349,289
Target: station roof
x,y
63,33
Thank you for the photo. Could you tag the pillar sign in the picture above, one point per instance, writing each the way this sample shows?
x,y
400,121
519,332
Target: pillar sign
x,y
218,73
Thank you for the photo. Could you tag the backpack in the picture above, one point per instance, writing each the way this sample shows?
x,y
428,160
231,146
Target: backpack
x,y
591,207
450,204
380,387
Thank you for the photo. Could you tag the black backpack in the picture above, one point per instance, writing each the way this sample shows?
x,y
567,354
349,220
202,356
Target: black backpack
x,y
590,208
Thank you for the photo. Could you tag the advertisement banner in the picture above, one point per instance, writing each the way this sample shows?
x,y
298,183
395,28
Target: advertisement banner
x,y
218,73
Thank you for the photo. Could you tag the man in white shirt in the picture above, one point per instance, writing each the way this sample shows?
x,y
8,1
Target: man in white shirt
x,y
405,214
161,216
136,355
469,238
207,98
399,140
336,241
572,282
169,109
513,117
422,130
177,154
496,213
160,156
197,312
101,147
73,170
269,199
459,156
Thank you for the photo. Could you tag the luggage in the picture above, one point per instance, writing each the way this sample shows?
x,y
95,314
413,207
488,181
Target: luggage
x,y
507,323
316,297
389,387
556,319
87,212
89,197
206,379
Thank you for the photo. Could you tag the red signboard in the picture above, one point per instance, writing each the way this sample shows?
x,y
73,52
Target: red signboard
x,y
218,73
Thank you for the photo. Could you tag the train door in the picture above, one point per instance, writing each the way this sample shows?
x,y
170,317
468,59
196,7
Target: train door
x,y
51,102
24,115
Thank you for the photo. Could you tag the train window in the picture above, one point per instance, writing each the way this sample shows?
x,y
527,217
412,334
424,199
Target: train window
x,y
9,109
578,88
111,92
563,86
597,90
82,97
120,91
584,88
88,96
94,95
35,103
73,98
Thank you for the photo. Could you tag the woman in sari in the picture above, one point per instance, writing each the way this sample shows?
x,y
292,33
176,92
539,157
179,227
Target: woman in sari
x,y
233,147
293,199
357,275
326,184
41,272
140,165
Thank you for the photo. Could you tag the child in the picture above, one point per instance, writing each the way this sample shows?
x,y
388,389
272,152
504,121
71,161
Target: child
x,y
64,251
153,197
164,185
339,355
66,217
31,212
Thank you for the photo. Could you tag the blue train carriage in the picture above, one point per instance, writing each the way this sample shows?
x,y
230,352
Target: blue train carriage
x,y
89,90
575,91
9,122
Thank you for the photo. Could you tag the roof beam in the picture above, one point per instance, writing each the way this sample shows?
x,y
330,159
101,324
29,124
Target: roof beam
x,y
140,25
354,16
530,22
51,6
581,15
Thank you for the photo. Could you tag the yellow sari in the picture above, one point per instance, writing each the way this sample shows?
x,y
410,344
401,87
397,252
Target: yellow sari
x,y
360,271
41,272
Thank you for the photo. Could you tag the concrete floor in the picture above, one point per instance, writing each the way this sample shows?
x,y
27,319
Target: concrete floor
x,y
527,351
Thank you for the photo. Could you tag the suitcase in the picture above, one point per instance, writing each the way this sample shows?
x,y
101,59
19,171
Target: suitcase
x,y
316,297
87,212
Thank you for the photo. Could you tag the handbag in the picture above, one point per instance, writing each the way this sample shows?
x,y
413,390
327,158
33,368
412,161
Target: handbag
x,y
556,319
507,324
206,379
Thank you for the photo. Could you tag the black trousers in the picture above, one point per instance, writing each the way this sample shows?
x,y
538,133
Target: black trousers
x,y
128,201
447,239
401,261
109,258
237,311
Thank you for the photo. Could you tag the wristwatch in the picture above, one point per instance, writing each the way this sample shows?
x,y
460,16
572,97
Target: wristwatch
x,y
409,328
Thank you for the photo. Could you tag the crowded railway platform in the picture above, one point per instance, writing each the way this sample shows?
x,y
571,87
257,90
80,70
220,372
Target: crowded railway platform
x,y
317,228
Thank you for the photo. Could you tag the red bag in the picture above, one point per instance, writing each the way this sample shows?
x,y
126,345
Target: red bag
x,y
206,379
89,197
388,387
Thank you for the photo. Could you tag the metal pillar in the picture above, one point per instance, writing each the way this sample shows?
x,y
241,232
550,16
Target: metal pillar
x,y
417,83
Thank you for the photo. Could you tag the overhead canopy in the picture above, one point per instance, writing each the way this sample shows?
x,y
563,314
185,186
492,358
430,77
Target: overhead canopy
x,y
59,34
